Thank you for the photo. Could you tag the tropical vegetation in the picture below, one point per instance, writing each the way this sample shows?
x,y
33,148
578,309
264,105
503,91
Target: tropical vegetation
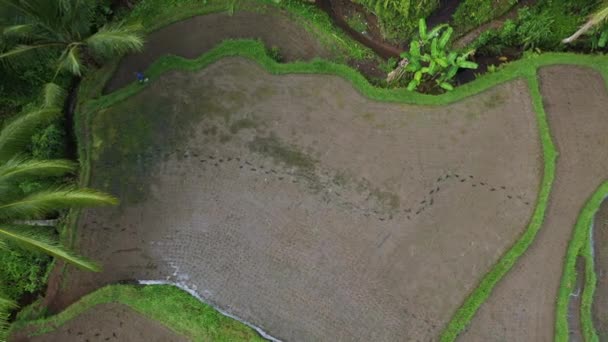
x,y
429,61
472,13
542,27
67,27
595,21
398,18
21,209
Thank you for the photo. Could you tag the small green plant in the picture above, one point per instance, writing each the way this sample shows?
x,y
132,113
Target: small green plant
x,y
599,39
275,53
429,60
357,22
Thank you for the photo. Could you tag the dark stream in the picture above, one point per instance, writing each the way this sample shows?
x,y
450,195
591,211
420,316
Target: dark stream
x,y
381,49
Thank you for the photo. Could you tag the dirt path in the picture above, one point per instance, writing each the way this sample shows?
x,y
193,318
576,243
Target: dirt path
x,y
522,305
193,37
106,322
302,207
600,299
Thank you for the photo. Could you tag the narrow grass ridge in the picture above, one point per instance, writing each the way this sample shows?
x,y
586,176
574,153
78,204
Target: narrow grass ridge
x,y
167,304
524,69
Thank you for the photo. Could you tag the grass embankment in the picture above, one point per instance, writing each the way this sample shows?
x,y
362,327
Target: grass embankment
x,y
174,308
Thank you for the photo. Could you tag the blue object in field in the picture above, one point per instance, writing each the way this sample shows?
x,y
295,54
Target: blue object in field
x,y
140,76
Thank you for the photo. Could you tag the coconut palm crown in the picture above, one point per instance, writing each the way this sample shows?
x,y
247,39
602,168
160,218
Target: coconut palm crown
x,y
20,210
40,26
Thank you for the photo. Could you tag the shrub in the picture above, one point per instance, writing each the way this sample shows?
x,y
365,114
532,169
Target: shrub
x,y
541,27
275,53
472,13
398,18
22,271
49,143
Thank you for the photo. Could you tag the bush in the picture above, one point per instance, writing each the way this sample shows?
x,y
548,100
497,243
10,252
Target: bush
x,y
399,18
540,27
49,143
472,13
22,271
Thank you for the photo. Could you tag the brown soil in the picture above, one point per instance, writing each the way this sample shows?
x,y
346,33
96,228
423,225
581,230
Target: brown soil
x,y
298,205
106,322
522,305
600,299
193,37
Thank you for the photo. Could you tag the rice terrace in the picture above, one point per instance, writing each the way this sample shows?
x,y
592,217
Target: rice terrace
x,y
292,170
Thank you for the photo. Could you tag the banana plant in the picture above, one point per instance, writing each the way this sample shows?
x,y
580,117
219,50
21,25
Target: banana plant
x,y
429,58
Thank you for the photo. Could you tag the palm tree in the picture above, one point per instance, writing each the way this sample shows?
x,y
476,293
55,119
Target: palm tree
x,y
65,26
596,18
19,210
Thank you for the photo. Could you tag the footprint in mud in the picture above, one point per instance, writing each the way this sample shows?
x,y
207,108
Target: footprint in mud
x,y
367,206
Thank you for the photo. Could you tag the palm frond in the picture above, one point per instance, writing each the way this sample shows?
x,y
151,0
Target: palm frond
x,y
19,168
40,203
18,30
6,305
596,18
40,239
15,136
52,95
22,49
115,40
70,60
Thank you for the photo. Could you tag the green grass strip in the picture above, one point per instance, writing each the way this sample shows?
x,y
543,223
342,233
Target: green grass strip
x,y
465,313
589,332
174,308
525,69
580,245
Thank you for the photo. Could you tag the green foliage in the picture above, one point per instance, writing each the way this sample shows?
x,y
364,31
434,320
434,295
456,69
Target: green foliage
x,y
357,22
275,53
541,27
35,28
22,271
167,304
398,18
473,13
429,60
49,143
6,305
534,30
26,196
